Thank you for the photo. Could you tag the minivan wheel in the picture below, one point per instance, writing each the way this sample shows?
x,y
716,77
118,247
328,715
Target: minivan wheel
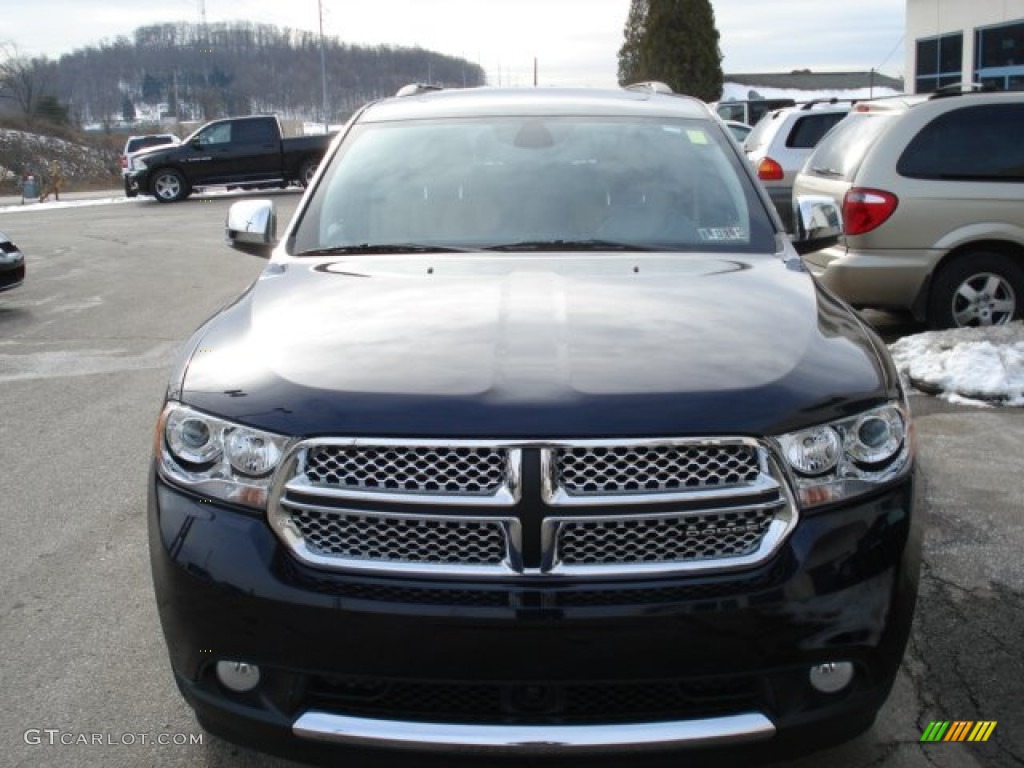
x,y
169,186
978,289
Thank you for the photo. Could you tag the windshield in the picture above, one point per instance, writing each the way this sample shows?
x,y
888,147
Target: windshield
x,y
544,183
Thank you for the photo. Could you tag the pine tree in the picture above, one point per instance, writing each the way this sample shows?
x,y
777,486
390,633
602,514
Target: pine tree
x,y
674,41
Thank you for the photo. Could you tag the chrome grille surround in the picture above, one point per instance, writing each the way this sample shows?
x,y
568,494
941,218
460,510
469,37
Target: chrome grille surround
x,y
725,518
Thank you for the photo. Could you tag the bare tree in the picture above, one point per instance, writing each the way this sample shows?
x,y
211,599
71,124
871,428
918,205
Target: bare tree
x,y
24,80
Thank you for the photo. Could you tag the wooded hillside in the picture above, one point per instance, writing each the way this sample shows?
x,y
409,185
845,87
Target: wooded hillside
x,y
204,72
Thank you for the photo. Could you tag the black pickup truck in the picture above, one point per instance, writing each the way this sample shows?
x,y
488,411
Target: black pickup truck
x,y
236,151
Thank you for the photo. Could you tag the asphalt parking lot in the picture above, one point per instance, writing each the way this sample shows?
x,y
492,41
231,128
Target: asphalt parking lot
x,y
85,346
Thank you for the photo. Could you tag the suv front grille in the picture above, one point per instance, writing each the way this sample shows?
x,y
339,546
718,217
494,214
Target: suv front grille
x,y
611,508
425,469
673,538
642,469
400,539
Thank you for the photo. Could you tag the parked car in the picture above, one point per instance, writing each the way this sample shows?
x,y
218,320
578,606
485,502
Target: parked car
x,y
12,264
136,144
749,111
739,130
930,190
535,439
237,151
781,142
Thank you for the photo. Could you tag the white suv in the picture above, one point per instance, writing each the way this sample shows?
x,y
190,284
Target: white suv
x,y
781,142
136,144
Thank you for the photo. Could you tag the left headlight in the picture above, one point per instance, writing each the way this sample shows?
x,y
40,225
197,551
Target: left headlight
x,y
215,457
138,164
846,458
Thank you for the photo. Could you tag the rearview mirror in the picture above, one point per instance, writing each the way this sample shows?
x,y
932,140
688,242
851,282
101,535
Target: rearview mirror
x,y
251,227
818,223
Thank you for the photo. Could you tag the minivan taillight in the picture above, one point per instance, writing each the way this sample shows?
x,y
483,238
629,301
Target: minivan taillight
x,y
769,170
866,209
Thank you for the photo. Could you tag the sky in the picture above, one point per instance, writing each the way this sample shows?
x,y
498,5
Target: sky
x,y
575,42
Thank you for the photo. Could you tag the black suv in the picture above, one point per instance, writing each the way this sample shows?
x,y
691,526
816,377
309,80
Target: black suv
x,y
534,439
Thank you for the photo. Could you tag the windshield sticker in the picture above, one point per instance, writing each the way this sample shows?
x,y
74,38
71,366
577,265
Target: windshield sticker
x,y
722,234
697,136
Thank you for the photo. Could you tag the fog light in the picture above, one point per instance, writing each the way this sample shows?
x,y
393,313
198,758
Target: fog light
x,y
238,676
831,677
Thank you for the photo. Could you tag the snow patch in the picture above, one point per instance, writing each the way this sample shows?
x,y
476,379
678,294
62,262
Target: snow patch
x,y
966,364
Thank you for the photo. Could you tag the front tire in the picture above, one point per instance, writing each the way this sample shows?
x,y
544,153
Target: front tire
x,y
169,186
306,172
977,289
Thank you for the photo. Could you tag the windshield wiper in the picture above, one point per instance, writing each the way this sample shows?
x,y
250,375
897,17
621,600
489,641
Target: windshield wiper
x,y
384,248
568,245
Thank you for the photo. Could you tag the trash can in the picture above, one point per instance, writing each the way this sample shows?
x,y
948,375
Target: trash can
x,y
30,190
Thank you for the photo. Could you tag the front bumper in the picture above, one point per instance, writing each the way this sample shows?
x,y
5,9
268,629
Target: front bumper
x,y
136,183
549,668
12,269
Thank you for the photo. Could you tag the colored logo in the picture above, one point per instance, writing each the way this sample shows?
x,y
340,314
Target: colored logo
x,y
958,730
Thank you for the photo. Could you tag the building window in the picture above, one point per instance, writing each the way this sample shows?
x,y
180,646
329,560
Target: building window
x,y
939,62
999,56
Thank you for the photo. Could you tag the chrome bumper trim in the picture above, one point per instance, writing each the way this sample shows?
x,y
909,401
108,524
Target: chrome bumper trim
x,y
532,739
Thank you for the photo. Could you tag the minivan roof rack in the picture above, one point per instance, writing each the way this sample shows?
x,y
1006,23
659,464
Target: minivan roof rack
x,y
959,89
830,100
414,89
654,86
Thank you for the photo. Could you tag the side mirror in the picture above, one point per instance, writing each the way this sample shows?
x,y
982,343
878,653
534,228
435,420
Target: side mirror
x,y
818,223
251,227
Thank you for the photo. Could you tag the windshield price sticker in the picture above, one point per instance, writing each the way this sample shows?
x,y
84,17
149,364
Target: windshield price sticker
x,y
722,234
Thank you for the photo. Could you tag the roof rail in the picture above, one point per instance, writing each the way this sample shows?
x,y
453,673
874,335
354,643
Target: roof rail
x,y
830,100
414,89
959,89
653,86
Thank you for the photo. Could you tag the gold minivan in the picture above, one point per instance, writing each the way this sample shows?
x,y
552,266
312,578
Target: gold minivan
x,y
932,197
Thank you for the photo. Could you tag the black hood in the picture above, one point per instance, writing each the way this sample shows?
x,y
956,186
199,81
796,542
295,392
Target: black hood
x,y
537,346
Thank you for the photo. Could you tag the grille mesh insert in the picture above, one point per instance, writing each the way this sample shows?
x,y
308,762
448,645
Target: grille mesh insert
x,y
355,536
638,469
665,539
459,470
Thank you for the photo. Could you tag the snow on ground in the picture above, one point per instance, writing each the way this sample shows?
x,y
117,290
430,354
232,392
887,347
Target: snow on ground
x,y
50,205
739,92
975,366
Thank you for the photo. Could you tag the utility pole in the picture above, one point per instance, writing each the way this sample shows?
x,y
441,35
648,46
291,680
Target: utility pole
x,y
323,66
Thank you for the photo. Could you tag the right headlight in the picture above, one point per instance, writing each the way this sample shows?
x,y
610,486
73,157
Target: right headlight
x,y
215,457
846,458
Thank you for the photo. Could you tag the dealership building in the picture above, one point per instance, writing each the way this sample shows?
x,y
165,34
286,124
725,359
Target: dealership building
x,y
953,41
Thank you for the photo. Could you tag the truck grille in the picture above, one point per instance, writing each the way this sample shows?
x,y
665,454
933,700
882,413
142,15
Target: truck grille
x,y
610,508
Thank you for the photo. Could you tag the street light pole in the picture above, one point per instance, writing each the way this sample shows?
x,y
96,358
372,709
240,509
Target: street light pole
x,y
323,66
